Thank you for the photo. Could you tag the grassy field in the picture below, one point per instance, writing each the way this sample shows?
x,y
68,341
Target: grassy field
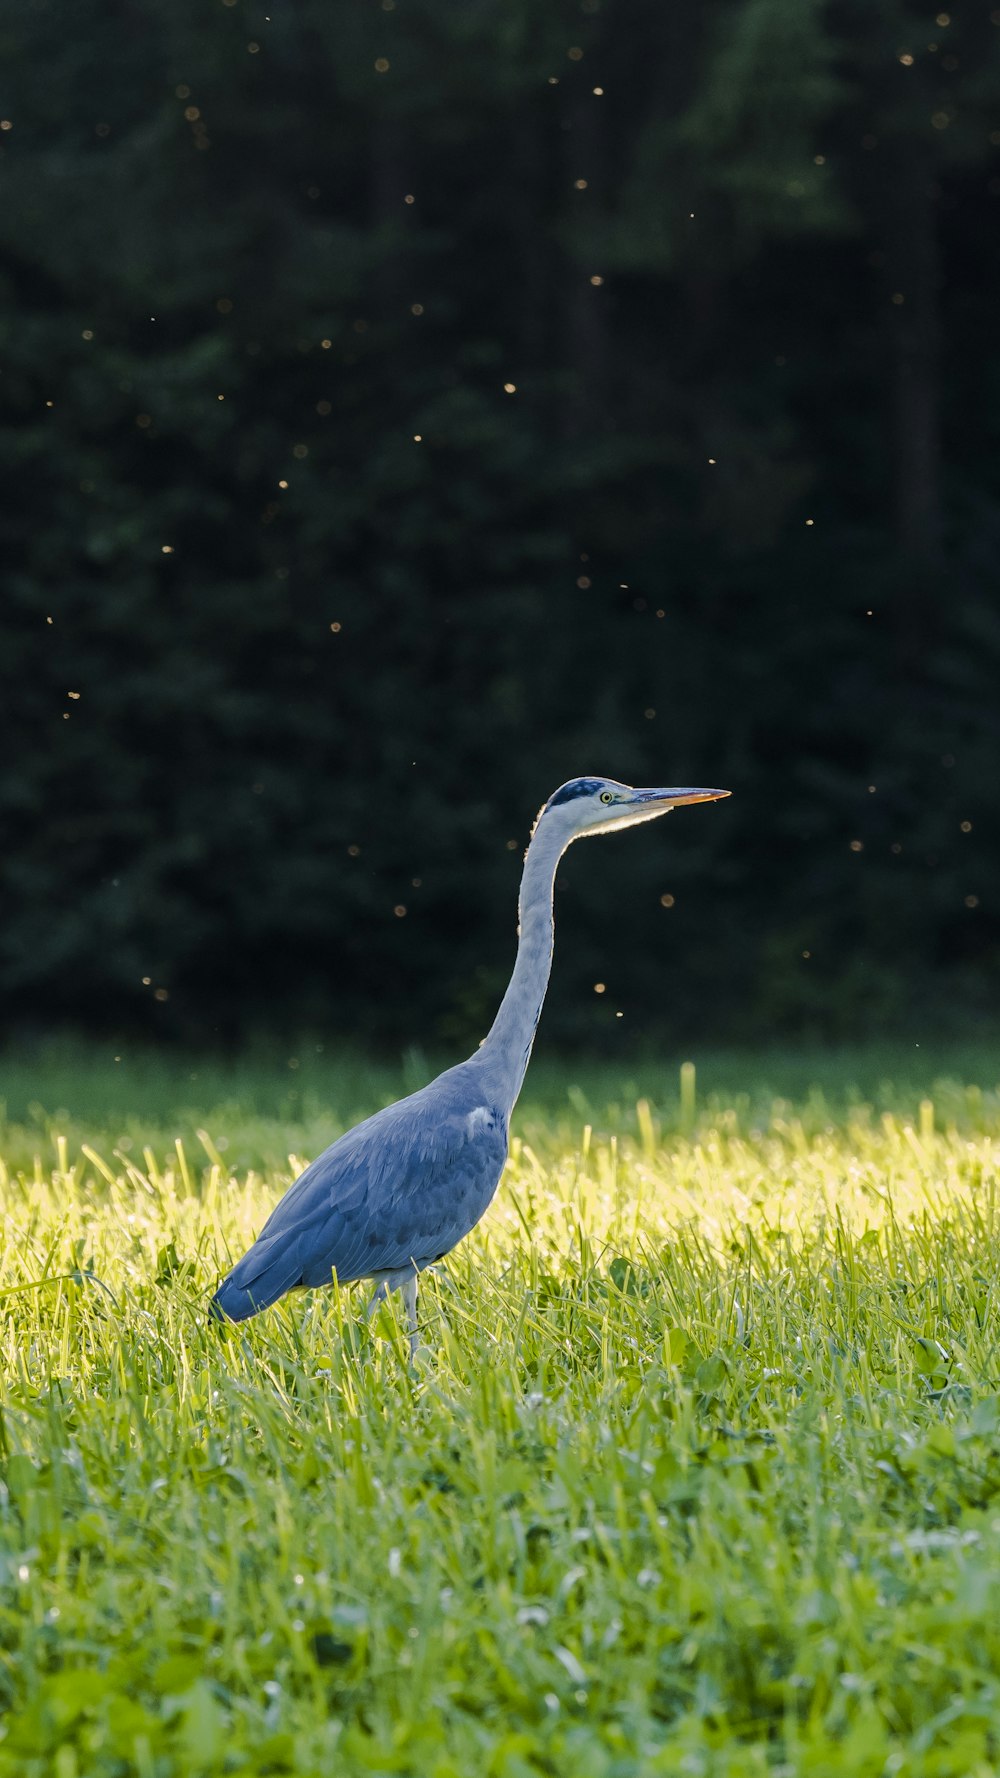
x,y
699,1472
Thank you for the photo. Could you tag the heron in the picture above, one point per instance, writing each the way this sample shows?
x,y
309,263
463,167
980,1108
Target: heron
x,y
397,1192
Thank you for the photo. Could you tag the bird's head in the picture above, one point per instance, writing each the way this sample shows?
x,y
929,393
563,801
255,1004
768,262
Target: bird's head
x,y
601,805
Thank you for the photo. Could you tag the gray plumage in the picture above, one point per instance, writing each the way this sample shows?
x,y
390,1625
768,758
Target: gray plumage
x,y
401,1189
392,1195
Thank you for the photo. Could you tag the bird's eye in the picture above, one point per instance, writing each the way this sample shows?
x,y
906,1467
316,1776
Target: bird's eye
x,y
607,796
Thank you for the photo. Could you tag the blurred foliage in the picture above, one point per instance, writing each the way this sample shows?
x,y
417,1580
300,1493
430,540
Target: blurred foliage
x,y
305,611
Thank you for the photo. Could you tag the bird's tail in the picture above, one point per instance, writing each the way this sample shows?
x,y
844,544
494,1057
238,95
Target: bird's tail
x,y
262,1276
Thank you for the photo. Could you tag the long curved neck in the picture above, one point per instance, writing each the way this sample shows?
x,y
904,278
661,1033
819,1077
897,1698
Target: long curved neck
x,y
504,1052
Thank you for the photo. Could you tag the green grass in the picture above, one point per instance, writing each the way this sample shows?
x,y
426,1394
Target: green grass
x,y
698,1474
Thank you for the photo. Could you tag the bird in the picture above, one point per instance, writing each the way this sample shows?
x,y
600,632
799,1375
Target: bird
x,y
397,1192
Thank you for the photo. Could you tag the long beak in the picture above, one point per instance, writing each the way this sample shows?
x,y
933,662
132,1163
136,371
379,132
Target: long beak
x,y
672,799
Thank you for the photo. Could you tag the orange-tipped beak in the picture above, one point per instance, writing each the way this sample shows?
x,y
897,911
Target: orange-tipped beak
x,y
673,799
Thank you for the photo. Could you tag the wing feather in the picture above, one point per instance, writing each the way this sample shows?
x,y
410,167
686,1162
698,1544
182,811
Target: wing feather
x,y
401,1188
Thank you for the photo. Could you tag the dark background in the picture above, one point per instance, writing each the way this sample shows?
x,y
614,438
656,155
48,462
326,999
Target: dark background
x,y
272,671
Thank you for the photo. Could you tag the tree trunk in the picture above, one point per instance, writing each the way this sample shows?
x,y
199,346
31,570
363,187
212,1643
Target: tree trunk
x,y
914,265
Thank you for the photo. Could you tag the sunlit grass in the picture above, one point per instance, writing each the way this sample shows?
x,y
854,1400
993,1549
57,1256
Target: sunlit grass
x,y
699,1471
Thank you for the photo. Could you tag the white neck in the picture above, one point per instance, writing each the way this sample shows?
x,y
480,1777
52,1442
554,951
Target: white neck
x,y
503,1054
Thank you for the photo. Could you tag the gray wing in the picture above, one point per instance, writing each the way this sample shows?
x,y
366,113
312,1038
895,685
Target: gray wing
x,y
402,1188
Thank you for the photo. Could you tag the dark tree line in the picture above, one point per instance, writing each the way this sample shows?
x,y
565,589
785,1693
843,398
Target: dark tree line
x,y
408,405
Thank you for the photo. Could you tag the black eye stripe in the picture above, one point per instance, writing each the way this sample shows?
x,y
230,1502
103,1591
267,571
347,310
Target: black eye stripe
x,y
569,792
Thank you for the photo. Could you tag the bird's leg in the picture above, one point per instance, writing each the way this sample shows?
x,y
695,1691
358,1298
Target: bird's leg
x,y
378,1297
407,1285
409,1290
